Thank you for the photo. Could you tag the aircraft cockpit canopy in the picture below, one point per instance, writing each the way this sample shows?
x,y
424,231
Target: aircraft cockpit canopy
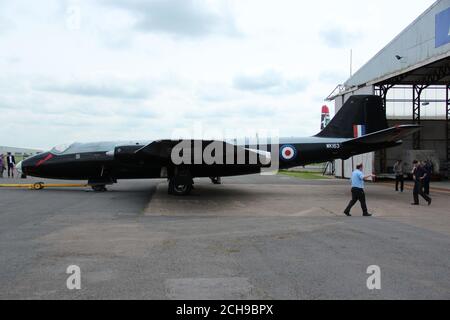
x,y
77,147
60,149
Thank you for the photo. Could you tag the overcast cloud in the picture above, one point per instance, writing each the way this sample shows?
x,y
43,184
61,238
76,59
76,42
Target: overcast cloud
x,y
269,82
189,18
337,37
103,88
108,69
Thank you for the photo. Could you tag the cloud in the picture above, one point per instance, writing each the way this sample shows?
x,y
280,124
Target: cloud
x,y
225,112
98,89
212,93
6,106
333,77
338,37
187,18
269,82
140,69
4,25
70,116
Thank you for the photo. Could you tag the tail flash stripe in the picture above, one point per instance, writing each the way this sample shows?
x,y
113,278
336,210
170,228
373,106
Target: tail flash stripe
x,y
359,131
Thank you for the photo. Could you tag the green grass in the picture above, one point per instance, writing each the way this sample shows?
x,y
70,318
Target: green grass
x,y
304,175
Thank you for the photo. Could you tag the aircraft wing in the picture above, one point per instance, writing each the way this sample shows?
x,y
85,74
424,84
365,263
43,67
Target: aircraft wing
x,y
157,149
390,135
162,150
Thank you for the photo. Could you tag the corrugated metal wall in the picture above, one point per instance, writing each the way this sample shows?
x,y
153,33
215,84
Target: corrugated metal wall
x,y
416,44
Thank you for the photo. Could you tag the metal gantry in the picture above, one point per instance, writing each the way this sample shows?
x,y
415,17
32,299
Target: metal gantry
x,y
448,128
417,100
382,91
435,76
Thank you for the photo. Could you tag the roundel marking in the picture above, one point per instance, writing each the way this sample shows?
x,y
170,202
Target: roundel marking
x,y
288,152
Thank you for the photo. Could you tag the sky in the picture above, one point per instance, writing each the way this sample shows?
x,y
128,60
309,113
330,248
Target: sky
x,y
158,69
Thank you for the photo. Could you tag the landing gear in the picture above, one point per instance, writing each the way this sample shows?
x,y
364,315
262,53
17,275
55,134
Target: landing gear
x,y
180,183
99,185
177,189
216,180
99,188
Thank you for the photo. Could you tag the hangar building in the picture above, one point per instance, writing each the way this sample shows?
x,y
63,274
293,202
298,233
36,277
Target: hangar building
x,y
412,76
19,153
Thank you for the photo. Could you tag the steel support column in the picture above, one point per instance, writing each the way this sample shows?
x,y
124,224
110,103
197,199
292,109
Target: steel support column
x,y
417,96
382,91
448,128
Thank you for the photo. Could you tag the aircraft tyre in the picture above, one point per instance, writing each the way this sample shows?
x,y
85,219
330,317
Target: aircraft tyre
x,y
177,189
99,188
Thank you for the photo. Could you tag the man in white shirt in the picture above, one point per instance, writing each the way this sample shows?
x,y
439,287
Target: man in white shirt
x,y
358,191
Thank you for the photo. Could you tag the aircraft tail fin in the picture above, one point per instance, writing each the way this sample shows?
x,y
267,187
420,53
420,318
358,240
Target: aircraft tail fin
x,y
359,116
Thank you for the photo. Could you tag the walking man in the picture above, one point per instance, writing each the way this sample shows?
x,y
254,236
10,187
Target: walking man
x,y
419,175
11,162
358,191
399,175
428,167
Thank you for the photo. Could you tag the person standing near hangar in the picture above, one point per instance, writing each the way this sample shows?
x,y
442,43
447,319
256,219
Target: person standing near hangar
x,y
11,162
399,176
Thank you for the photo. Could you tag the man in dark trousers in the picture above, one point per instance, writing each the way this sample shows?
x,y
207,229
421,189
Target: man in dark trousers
x,y
11,162
399,178
358,191
428,166
2,165
419,175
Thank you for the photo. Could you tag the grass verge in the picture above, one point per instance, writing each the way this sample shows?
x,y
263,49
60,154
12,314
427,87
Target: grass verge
x,y
304,175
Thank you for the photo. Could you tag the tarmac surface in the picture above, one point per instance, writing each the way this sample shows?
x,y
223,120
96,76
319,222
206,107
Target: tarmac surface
x,y
256,237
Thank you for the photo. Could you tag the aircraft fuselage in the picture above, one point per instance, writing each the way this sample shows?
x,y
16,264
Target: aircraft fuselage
x,y
107,164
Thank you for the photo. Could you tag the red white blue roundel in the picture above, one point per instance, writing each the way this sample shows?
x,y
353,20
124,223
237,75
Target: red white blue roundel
x,y
288,152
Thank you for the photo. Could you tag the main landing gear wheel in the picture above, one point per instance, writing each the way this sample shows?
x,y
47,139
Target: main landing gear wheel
x,y
216,180
99,188
178,189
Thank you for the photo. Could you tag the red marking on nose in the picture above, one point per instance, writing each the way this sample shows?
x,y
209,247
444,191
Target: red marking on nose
x,y
40,162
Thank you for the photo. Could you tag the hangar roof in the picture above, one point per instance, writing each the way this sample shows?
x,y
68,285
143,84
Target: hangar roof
x,y
436,73
420,54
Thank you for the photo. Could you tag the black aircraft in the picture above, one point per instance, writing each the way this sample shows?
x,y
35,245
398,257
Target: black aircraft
x,y
359,127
